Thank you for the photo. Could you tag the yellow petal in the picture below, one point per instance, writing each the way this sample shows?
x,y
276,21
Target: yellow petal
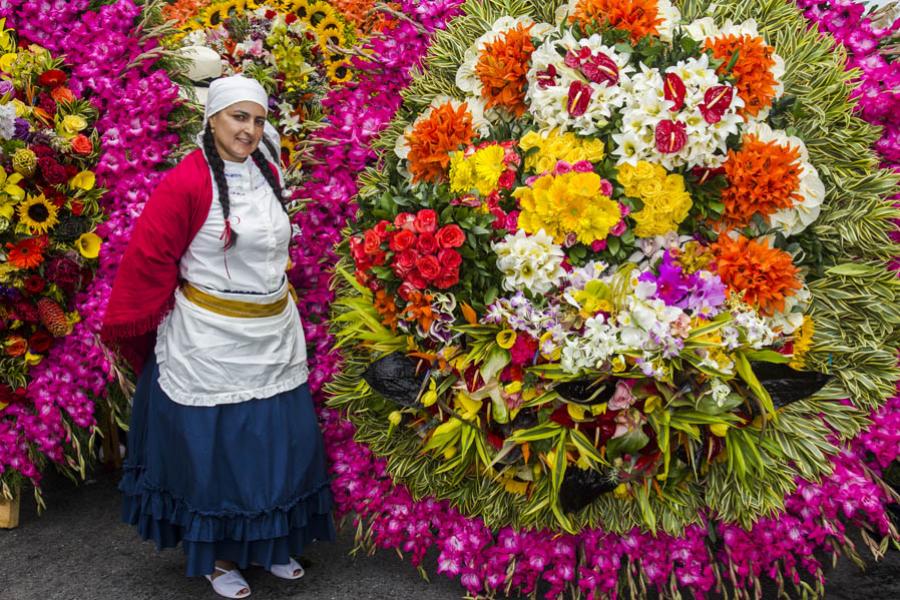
x,y
33,359
506,339
85,180
88,245
719,429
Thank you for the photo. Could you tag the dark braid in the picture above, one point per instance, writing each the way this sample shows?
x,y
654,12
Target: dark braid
x,y
217,165
263,165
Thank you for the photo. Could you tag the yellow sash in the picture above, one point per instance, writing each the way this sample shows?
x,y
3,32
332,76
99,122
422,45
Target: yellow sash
x,y
235,308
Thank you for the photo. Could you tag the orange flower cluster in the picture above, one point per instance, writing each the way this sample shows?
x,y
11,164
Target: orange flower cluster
x,y
387,309
183,11
639,17
433,138
502,69
762,276
753,69
354,11
418,309
763,177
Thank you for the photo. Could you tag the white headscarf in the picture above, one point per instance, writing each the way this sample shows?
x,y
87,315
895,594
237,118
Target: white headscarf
x,y
225,91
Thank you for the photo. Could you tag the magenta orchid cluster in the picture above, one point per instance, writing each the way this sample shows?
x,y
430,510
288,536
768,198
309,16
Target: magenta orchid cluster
x,y
135,99
817,519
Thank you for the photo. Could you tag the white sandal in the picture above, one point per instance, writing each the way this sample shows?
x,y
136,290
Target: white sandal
x,y
292,570
230,584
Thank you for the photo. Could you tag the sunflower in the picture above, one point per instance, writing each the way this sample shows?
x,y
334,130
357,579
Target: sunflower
x,y
216,13
299,8
318,11
38,214
339,72
332,37
330,22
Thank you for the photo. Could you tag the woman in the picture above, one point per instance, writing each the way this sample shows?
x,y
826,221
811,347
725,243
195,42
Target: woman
x,y
225,455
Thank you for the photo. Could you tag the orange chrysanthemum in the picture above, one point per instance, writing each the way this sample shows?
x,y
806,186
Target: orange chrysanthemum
x,y
433,138
418,309
753,69
763,177
762,276
502,69
387,309
639,17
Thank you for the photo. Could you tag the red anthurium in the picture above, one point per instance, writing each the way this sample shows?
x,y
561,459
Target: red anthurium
x,y
579,98
716,101
674,90
671,136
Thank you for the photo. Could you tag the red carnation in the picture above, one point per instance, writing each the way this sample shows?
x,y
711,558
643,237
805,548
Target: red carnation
x,y
40,341
34,284
52,78
671,136
53,172
402,240
523,349
451,236
426,221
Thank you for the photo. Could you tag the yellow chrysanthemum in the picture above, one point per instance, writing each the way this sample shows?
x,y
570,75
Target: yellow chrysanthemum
x,y
480,172
38,214
666,202
571,203
551,147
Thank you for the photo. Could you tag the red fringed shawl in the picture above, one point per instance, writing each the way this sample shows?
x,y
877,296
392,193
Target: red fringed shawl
x,y
144,288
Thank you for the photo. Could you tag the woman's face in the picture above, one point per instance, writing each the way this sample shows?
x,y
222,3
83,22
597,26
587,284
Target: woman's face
x,y
238,129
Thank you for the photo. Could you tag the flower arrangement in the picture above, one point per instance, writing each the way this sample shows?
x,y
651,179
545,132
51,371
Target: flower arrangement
x,y
115,65
627,323
295,49
50,206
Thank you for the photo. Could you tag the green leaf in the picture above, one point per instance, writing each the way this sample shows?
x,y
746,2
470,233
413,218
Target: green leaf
x,y
497,358
746,372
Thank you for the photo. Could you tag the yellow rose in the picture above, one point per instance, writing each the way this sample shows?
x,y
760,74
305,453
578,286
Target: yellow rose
x,y
644,170
649,187
72,124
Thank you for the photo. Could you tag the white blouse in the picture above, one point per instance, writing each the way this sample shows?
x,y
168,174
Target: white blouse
x,y
206,359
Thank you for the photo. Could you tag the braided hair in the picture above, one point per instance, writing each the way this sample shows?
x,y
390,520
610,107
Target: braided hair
x,y
217,165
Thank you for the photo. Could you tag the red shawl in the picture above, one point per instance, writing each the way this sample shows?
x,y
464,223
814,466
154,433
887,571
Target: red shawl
x,y
144,288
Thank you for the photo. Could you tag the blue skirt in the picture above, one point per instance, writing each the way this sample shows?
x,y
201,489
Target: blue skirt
x,y
244,482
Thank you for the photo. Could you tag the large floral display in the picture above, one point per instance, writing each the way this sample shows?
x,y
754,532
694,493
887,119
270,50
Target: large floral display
x,y
619,268
86,107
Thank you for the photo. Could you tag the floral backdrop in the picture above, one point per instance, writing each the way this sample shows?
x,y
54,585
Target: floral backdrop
x,y
138,114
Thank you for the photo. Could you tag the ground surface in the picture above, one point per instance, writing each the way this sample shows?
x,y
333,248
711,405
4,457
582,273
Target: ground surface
x,y
79,550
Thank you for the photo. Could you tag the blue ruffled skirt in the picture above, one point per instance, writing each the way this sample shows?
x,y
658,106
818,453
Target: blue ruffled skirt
x,y
244,482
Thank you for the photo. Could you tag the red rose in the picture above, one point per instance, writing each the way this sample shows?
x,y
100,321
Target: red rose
x,y
428,267
290,18
52,78
405,220
402,240
507,180
427,244
77,207
451,236
426,221
357,249
34,284
416,280
379,257
447,280
372,242
381,229
40,341
81,144
270,14
671,136
449,259
404,262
